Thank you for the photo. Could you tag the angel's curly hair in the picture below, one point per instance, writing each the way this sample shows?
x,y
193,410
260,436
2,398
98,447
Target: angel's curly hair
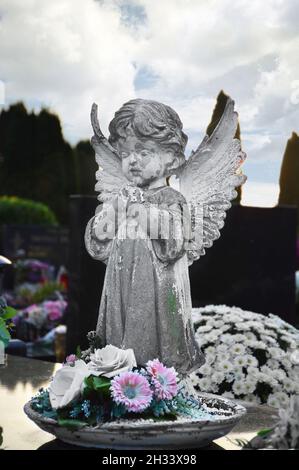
x,y
147,119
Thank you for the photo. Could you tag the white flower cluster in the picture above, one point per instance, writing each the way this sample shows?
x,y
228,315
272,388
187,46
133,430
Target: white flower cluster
x,y
249,356
286,432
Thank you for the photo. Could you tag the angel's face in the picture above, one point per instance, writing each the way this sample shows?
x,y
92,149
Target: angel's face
x,y
143,161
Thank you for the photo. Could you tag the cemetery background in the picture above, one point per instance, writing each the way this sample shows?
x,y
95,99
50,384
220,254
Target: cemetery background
x,y
46,198
43,214
54,285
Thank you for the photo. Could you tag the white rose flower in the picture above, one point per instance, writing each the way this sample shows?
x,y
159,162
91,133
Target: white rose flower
x,y
68,381
110,361
67,384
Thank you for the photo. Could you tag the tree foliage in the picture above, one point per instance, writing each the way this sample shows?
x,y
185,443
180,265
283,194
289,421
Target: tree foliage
x,y
37,163
15,210
289,174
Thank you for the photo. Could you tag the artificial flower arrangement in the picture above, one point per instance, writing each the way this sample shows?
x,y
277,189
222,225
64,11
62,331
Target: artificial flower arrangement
x,y
248,356
105,384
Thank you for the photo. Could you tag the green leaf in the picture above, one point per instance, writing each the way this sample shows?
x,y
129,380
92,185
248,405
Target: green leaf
x,y
71,424
102,384
264,432
88,382
78,352
9,312
4,333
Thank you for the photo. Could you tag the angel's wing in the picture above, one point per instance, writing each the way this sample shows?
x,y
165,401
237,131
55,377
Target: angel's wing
x,y
208,181
110,178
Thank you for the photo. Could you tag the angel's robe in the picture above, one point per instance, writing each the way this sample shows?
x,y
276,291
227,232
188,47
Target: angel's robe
x,y
146,300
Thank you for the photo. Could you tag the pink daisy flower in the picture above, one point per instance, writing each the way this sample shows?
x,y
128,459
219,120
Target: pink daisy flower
x,y
132,390
163,378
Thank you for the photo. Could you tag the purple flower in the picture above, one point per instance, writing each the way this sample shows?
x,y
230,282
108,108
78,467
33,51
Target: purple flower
x,y
55,309
132,390
71,359
32,308
164,379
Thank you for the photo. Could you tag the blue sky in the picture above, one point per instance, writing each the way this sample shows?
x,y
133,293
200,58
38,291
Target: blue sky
x,y
65,54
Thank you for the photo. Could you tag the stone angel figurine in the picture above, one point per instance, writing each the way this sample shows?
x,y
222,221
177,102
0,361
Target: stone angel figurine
x,y
148,233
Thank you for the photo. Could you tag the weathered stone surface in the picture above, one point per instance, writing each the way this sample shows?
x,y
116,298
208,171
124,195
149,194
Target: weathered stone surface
x,y
147,233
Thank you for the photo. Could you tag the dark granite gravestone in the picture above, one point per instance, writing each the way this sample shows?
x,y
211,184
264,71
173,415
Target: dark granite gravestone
x,y
35,241
252,266
86,276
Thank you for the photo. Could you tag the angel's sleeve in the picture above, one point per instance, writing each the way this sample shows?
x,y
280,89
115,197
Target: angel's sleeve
x,y
174,227
98,249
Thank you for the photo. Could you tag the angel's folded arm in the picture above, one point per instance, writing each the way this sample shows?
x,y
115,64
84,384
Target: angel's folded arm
x,y
99,234
168,229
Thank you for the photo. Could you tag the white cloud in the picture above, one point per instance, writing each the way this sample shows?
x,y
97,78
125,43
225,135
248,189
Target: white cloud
x,y
260,194
67,53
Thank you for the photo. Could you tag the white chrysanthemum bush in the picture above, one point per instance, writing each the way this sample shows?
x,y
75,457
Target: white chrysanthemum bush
x,y
249,356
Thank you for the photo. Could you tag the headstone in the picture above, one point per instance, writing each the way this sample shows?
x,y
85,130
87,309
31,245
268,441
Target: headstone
x,y
86,276
252,265
36,241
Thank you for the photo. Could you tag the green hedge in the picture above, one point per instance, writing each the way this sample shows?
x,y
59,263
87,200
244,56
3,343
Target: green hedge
x,y
14,210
